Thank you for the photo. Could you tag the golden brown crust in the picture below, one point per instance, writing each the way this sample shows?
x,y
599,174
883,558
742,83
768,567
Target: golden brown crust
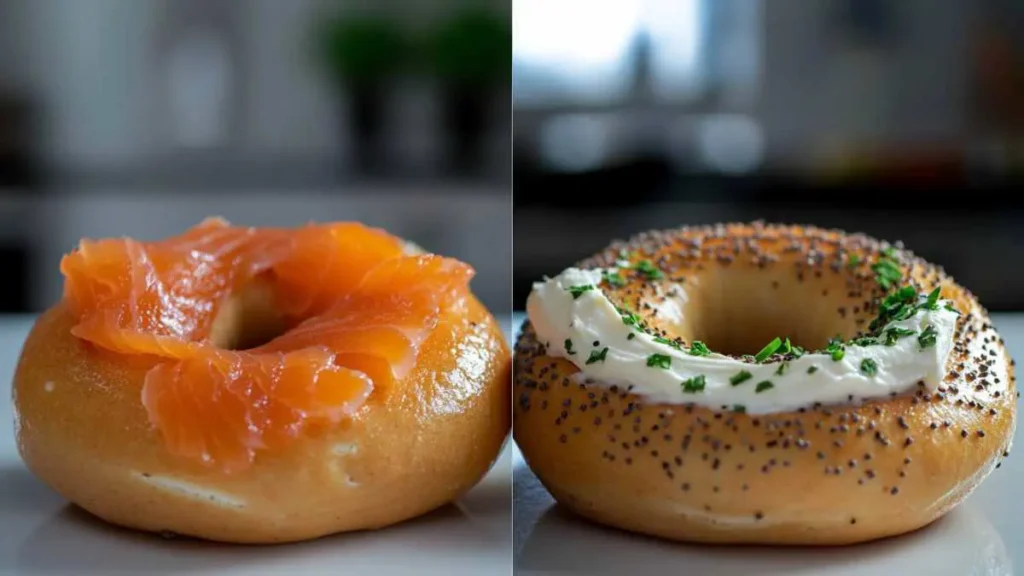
x,y
826,475
82,428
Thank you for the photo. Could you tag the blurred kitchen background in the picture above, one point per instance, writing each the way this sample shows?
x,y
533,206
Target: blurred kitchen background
x,y
141,117
904,120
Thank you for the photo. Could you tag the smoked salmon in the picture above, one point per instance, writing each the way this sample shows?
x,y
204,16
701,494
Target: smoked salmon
x,y
360,308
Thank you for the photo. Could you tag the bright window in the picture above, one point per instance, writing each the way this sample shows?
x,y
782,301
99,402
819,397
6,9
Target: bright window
x,y
584,51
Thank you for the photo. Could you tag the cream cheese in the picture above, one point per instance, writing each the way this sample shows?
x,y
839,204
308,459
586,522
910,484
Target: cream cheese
x,y
575,320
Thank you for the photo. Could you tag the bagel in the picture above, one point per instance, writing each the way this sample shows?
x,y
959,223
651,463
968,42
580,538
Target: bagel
x,y
760,384
312,381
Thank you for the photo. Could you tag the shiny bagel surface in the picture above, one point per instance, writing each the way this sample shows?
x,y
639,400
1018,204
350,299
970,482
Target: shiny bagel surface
x,y
832,474
82,428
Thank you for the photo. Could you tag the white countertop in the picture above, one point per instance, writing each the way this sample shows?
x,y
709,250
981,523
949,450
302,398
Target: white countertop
x,y
40,534
982,537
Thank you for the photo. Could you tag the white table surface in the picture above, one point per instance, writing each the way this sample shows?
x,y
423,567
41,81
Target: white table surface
x,y
40,534
982,537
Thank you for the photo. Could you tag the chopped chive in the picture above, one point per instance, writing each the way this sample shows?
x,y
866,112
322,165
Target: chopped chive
x,y
667,342
629,318
630,336
740,408
835,349
786,347
647,269
694,385
596,356
864,341
698,348
768,350
933,299
952,309
893,334
659,361
762,386
887,269
578,291
812,369
905,294
568,347
868,366
614,278
783,368
740,377
928,337
798,351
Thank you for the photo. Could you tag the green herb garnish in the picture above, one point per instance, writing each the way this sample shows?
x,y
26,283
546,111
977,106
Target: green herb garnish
x,y
659,361
762,386
798,351
568,347
932,303
895,307
928,337
740,377
893,334
951,308
782,369
886,269
812,369
836,349
629,318
596,356
614,278
694,385
786,347
630,336
578,291
768,350
868,366
647,269
667,342
864,341
698,348
740,408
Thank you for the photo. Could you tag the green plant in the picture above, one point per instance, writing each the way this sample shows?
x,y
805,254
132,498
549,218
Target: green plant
x,y
472,48
362,49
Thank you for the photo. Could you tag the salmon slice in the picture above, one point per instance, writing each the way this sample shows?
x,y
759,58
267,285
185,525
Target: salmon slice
x,y
327,261
364,311
221,407
160,297
387,317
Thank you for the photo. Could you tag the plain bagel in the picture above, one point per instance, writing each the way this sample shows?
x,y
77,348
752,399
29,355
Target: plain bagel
x,y
836,473
427,439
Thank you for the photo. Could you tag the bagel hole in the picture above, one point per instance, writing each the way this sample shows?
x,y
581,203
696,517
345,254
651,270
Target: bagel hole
x,y
248,319
738,311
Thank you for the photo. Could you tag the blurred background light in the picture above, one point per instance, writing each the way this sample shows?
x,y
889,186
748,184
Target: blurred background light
x,y
142,117
903,120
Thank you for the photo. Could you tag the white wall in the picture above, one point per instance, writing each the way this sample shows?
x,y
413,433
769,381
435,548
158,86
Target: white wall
x,y
87,61
96,65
